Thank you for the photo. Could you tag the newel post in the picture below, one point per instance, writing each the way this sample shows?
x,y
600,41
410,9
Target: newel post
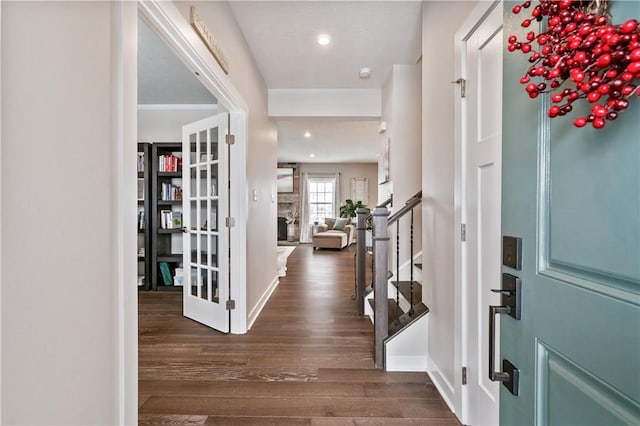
x,y
381,309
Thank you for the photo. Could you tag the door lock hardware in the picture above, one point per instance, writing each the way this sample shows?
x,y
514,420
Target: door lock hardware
x,y
510,305
510,295
512,252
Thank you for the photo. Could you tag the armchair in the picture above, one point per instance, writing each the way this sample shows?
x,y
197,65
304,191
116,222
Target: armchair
x,y
325,236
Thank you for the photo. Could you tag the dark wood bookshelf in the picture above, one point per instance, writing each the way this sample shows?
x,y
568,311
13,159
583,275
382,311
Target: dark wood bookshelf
x,y
169,258
163,287
144,235
169,231
170,174
161,250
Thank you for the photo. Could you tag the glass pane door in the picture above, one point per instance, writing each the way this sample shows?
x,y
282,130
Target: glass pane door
x,y
205,205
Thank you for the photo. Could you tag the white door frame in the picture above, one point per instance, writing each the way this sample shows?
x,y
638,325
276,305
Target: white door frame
x,y
164,18
476,17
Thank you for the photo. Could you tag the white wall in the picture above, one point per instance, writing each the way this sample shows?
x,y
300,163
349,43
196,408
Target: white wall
x,y
401,109
438,207
59,275
165,125
386,189
347,172
261,147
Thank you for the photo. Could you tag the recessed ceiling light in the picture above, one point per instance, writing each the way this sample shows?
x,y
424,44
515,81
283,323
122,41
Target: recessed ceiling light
x,y
312,155
365,72
307,135
324,39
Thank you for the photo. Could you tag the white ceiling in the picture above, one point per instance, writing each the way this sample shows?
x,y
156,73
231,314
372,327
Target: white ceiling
x,y
282,38
331,141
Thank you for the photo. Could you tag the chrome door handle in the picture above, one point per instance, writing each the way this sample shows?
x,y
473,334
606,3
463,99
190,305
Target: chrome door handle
x,y
510,298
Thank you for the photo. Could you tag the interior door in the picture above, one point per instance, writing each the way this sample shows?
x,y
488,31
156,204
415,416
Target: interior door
x,y
205,208
482,169
573,197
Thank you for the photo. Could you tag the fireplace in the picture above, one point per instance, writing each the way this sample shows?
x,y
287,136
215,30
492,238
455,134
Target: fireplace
x,y
282,228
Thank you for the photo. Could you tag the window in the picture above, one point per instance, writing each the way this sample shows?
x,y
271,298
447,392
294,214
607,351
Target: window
x,y
321,199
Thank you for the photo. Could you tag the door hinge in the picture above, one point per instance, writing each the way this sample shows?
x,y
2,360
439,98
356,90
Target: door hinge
x,y
463,232
230,139
231,304
463,86
464,375
229,222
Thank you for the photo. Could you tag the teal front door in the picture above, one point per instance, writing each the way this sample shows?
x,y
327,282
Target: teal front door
x,y
573,196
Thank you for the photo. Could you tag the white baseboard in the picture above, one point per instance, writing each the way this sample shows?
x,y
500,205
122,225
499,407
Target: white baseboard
x,y
444,387
407,363
253,314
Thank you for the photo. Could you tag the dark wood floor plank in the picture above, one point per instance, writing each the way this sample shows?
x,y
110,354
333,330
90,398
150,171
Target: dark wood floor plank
x,y
325,421
259,421
296,407
193,370
251,389
171,420
308,360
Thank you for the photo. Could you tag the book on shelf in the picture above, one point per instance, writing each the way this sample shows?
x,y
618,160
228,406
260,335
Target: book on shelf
x,y
141,189
170,192
141,161
170,219
169,163
166,273
141,219
178,277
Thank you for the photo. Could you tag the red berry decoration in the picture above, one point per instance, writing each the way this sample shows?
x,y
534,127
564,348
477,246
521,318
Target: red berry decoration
x,y
582,55
580,122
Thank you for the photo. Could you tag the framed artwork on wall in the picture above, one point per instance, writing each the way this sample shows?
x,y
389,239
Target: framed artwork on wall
x,y
285,179
360,190
383,164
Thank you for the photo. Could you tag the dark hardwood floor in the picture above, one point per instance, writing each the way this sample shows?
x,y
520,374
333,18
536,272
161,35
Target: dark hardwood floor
x,y
306,361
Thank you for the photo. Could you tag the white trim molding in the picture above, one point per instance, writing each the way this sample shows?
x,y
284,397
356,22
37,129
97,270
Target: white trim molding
x,y
178,107
255,312
1,220
165,18
445,388
124,28
460,394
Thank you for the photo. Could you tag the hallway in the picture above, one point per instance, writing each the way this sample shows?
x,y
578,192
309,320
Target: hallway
x,y
306,361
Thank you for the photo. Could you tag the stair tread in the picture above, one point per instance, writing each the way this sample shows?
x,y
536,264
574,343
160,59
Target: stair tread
x,y
405,289
418,265
395,327
394,311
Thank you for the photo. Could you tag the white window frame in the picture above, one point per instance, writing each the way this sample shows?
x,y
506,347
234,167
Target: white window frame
x,y
315,181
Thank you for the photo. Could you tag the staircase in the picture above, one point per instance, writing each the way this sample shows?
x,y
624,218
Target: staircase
x,y
395,296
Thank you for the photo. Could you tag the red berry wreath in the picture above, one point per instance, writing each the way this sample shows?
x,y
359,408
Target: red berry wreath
x,y
582,45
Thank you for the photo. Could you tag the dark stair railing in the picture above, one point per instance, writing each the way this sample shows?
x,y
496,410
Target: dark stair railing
x,y
362,249
382,221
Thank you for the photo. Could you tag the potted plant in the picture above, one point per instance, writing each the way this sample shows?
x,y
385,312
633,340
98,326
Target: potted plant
x,y
350,208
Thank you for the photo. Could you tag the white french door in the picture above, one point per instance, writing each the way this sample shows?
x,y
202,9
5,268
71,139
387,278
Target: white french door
x,y
205,208
481,191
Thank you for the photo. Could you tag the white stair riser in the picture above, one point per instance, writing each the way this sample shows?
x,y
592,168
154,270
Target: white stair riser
x,y
407,351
